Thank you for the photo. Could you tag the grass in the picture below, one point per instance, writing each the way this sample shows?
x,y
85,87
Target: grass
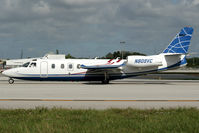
x,y
42,120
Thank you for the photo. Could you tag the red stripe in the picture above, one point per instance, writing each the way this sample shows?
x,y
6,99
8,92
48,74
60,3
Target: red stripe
x,y
118,60
110,60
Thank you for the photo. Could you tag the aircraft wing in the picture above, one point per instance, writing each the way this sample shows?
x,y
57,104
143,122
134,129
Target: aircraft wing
x,y
108,66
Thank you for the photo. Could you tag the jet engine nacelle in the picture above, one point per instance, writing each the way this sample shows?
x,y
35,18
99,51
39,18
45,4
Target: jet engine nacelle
x,y
144,61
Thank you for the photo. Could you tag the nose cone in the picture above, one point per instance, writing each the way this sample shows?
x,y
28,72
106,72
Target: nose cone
x,y
8,73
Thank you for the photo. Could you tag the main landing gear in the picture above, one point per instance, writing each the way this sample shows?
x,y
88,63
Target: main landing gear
x,y
11,81
106,79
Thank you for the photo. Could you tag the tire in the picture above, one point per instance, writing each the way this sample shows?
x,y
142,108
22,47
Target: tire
x,y
11,81
105,81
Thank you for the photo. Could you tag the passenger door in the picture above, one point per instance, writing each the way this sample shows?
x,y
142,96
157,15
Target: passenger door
x,y
44,69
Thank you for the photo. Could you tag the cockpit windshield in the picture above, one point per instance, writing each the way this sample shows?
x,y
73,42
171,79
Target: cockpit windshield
x,y
26,64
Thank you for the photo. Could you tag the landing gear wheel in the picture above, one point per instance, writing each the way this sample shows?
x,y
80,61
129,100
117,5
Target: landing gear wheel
x,y
11,81
105,81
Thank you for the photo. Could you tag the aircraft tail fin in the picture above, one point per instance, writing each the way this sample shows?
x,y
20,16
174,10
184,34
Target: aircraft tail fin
x,y
180,43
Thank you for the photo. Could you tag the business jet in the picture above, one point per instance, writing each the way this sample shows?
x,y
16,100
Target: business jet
x,y
104,70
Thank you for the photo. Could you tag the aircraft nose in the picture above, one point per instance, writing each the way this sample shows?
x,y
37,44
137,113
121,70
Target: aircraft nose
x,y
7,73
4,73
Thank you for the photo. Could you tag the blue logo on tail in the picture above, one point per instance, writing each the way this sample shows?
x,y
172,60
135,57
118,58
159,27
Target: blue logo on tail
x,y
181,42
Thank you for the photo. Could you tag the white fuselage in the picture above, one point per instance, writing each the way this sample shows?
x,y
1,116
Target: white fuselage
x,y
70,70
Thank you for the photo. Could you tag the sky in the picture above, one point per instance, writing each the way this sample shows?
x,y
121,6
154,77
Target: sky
x,y
90,28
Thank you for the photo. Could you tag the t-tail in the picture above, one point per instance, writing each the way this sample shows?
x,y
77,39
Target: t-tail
x,y
175,53
180,43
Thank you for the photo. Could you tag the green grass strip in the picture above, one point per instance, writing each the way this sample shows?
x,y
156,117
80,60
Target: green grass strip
x,y
42,120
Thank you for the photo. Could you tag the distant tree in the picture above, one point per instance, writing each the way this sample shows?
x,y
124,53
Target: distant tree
x,y
69,56
193,62
127,53
119,54
109,56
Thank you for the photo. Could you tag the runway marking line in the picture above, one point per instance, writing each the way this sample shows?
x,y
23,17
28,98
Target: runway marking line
x,y
79,100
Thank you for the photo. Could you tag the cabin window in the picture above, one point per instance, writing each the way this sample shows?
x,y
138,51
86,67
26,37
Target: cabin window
x,y
53,66
26,64
33,64
70,66
62,66
78,66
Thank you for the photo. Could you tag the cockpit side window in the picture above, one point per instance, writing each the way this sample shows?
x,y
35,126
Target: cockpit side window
x,y
33,64
26,64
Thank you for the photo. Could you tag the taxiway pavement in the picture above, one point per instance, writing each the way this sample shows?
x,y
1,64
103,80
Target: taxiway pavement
x,y
134,93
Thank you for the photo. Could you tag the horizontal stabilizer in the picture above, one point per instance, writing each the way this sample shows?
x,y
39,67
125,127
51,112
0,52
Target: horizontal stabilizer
x,y
173,54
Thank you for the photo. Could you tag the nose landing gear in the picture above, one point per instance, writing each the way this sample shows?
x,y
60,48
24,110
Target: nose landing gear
x,y
11,81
